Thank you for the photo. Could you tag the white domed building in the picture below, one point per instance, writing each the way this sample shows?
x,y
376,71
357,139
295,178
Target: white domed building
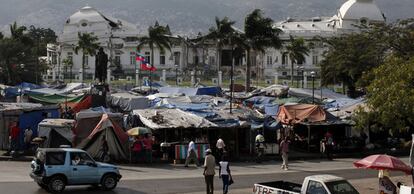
x,y
351,13
118,38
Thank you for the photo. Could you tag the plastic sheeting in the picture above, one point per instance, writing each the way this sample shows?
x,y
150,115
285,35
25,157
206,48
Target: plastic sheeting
x,y
67,89
116,139
213,91
17,90
171,118
292,114
63,128
55,98
127,102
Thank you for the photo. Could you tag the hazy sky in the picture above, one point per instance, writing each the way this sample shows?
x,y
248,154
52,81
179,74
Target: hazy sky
x,y
183,16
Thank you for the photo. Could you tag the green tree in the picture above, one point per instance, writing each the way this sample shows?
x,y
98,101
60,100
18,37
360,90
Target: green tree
x,y
87,42
349,56
158,36
259,35
41,37
12,53
296,50
390,99
221,33
68,64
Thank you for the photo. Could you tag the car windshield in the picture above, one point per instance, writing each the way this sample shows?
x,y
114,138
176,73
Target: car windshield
x,y
341,187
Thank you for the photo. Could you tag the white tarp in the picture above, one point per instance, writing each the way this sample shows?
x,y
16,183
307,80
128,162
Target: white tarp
x,y
171,118
69,88
61,126
128,102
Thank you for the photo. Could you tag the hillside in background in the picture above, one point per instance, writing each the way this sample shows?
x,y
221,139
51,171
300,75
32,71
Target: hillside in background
x,y
183,16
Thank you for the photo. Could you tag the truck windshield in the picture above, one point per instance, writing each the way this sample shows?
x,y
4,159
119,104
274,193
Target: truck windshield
x,y
341,187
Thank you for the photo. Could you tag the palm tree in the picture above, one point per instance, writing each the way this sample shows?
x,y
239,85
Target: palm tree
x,y
259,34
221,33
296,50
67,63
87,42
158,36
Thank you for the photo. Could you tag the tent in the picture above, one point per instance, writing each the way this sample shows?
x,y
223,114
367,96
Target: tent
x,y
67,89
110,132
57,132
17,90
293,114
28,115
127,102
171,118
86,121
76,107
213,91
54,98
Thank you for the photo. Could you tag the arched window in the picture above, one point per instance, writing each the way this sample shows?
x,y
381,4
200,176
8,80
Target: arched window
x,y
284,59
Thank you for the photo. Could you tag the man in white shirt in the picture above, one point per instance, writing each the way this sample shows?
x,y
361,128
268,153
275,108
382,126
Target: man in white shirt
x,y
220,148
191,154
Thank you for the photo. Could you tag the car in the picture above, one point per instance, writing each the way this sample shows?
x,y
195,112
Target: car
x,y
55,168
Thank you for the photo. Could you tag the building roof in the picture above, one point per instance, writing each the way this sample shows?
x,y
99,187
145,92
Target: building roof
x,y
358,9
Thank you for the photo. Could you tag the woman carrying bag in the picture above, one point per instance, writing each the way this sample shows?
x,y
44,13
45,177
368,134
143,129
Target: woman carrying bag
x,y
224,173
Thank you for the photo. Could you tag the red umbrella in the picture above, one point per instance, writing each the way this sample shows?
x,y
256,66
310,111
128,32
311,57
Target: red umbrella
x,y
383,162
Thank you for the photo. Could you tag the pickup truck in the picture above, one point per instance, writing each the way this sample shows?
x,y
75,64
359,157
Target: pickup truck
x,y
316,184
54,168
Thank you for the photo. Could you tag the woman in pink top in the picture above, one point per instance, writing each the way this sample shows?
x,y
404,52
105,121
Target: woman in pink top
x,y
284,148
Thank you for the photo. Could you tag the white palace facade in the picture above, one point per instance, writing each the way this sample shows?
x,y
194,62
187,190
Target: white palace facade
x,y
119,40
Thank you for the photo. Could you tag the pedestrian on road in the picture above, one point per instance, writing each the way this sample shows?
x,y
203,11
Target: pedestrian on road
x,y
209,171
329,145
260,146
284,147
224,173
191,155
14,136
220,148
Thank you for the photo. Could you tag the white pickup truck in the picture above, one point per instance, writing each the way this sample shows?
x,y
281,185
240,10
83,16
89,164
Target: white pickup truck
x,y
316,184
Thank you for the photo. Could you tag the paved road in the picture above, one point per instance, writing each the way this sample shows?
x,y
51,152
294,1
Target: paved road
x,y
169,179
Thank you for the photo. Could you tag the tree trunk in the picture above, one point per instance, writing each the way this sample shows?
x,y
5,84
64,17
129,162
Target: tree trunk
x,y
291,74
8,69
83,65
248,70
152,65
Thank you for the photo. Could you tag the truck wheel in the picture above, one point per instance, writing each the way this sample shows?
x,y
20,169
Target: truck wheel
x,y
109,182
43,186
56,184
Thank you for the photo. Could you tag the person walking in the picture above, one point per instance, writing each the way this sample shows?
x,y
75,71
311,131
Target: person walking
x,y
209,171
14,136
191,154
148,147
224,173
259,141
220,148
329,145
284,147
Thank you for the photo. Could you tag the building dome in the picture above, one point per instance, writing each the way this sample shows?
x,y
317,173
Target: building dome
x,y
86,14
360,9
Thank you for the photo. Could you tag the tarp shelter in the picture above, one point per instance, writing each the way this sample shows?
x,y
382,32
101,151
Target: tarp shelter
x,y
57,132
294,114
17,90
126,102
28,115
213,91
67,89
75,107
110,132
171,118
55,98
86,121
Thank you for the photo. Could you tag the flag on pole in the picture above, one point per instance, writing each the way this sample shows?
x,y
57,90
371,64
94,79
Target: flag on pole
x,y
139,57
147,67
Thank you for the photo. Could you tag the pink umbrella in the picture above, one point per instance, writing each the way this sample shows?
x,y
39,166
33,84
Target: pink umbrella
x,y
383,162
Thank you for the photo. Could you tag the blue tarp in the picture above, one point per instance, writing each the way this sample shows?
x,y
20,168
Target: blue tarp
x,y
212,91
11,92
32,119
175,90
154,84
